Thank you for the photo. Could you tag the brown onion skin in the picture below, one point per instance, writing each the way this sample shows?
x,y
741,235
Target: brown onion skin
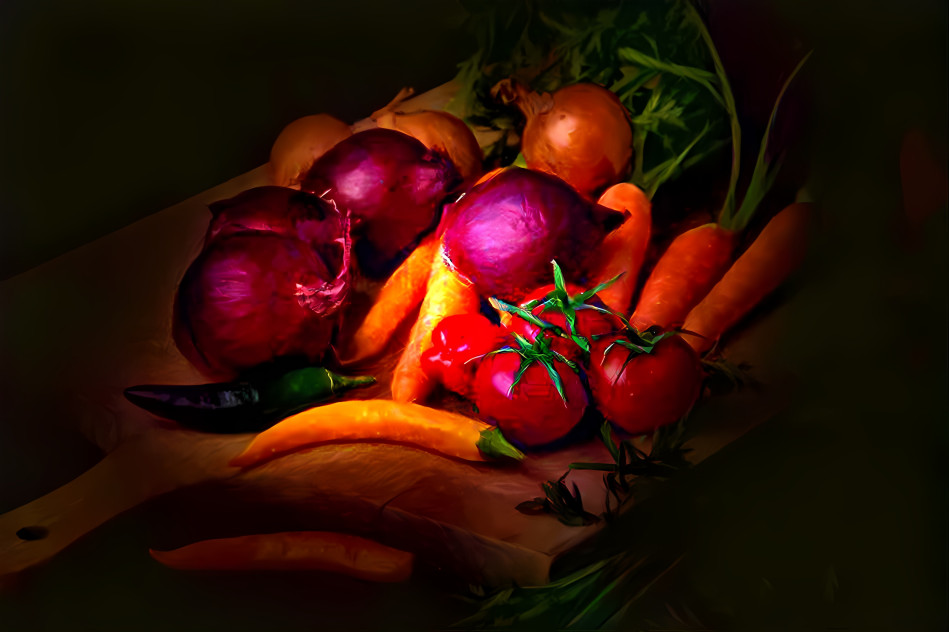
x,y
390,183
443,133
583,135
300,143
242,304
503,234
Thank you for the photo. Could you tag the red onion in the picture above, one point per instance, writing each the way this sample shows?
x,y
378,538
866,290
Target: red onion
x,y
251,298
503,234
288,213
300,143
269,283
391,185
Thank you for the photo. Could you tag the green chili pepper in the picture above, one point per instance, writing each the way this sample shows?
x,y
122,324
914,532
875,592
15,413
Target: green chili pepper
x,y
247,405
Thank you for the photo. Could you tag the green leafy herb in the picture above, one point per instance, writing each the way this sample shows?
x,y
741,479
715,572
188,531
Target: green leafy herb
x,y
629,462
723,376
594,597
650,53
562,502
764,174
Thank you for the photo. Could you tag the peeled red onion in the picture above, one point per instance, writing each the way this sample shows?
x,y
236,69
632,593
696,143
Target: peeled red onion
x,y
503,234
391,185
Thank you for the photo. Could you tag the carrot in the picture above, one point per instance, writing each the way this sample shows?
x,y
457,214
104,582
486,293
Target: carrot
x,y
772,256
622,251
294,551
380,420
686,271
399,297
697,259
446,294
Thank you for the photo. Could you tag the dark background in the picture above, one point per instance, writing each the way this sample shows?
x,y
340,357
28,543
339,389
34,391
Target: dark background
x,y
832,515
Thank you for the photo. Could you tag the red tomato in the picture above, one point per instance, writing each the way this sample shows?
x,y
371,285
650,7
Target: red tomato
x,y
457,343
655,389
589,322
533,413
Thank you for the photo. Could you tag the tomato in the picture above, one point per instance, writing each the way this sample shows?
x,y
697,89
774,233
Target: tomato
x,y
653,390
533,413
589,322
457,344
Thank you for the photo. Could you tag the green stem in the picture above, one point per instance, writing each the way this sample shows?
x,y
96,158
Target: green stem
x,y
764,175
728,208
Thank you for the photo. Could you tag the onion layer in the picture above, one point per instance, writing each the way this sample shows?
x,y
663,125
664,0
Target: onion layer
x,y
288,213
272,277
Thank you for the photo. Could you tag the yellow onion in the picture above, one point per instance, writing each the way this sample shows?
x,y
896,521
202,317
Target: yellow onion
x,y
439,131
301,143
580,133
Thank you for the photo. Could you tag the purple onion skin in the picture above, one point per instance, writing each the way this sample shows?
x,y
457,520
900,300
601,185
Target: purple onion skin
x,y
251,298
503,234
390,183
289,213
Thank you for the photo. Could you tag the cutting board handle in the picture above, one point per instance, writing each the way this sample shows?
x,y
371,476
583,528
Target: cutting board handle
x,y
39,530
138,470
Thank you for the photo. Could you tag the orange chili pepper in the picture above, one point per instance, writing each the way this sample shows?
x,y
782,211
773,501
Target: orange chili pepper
x,y
294,551
380,420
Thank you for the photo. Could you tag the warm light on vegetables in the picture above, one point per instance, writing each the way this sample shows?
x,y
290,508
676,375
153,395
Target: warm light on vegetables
x,y
301,143
440,131
580,133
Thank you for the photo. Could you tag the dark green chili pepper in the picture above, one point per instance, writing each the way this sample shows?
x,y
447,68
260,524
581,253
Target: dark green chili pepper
x,y
243,406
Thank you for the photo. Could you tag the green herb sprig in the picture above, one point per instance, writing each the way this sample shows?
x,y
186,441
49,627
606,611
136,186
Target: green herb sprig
x,y
648,52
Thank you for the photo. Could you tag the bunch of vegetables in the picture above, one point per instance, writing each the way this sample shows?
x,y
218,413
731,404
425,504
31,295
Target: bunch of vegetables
x,y
597,110
260,309
269,290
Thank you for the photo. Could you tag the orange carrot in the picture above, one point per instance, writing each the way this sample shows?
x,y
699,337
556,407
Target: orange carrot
x,y
697,259
446,294
399,297
686,271
622,250
380,420
773,255
294,551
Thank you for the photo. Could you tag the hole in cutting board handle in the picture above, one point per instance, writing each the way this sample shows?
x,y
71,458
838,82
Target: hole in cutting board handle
x,y
32,533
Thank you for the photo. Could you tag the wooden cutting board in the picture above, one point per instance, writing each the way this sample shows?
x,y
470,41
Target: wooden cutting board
x,y
98,319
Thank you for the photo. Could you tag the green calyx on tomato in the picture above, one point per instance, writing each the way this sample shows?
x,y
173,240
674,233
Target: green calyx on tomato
x,y
566,306
636,343
539,352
